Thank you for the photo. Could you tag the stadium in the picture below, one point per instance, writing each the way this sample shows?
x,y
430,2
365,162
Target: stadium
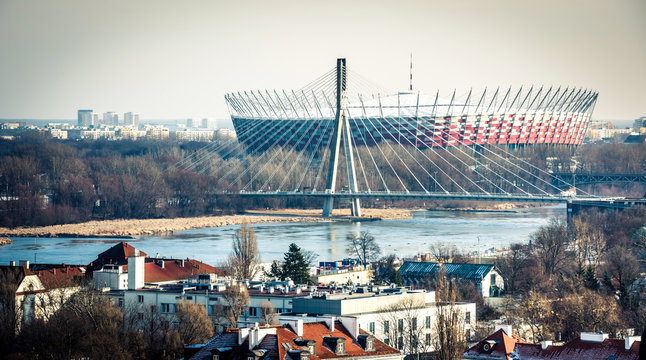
x,y
516,117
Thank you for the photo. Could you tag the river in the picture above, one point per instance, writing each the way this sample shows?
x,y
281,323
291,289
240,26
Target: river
x,y
468,231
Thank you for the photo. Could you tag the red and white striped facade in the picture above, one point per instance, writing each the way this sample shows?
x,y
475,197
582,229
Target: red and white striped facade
x,y
411,118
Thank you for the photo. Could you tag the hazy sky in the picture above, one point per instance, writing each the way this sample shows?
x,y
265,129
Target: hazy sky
x,y
176,59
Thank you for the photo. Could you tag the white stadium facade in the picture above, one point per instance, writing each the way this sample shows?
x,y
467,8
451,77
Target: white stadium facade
x,y
515,117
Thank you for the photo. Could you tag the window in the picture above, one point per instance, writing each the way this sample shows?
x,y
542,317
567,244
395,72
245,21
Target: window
x,y
120,302
140,298
215,357
400,342
386,341
400,325
414,324
386,326
428,322
428,339
372,327
467,317
140,316
167,308
340,348
493,279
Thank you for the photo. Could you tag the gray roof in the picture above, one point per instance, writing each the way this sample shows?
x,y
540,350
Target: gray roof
x,y
413,269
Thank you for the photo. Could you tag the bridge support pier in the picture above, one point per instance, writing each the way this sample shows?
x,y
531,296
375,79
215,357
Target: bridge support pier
x,y
341,130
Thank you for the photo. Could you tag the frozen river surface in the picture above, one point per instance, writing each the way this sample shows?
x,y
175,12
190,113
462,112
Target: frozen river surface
x,y
468,231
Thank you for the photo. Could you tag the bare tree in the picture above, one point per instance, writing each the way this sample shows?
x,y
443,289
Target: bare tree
x,y
450,341
622,265
550,244
268,315
245,257
193,323
443,253
405,327
236,303
589,242
511,265
536,311
364,246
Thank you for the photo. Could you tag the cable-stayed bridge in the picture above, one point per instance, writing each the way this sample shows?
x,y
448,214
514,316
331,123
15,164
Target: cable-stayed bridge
x,y
317,143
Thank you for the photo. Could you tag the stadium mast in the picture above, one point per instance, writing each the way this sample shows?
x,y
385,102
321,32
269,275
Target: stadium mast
x,y
411,72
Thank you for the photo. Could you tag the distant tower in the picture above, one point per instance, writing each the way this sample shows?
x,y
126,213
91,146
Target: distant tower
x,y
85,117
411,72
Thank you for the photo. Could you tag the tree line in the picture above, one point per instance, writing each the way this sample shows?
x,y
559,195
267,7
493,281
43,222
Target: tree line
x,y
47,181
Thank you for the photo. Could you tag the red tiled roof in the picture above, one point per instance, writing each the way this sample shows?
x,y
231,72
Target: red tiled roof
x,y
317,331
285,335
173,269
117,254
60,277
575,349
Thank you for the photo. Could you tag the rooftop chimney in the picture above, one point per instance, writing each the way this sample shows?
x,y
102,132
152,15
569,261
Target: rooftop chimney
x,y
630,340
545,344
593,337
24,263
330,322
136,271
505,328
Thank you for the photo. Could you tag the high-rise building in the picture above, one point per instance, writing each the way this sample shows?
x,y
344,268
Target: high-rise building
x,y
110,118
189,123
208,123
132,119
85,117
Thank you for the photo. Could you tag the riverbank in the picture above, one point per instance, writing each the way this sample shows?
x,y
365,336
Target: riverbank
x,y
132,228
5,241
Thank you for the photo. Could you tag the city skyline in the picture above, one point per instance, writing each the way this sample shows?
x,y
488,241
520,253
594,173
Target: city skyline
x,y
172,61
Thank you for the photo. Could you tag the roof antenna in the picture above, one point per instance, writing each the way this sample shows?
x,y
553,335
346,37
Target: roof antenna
x,y
411,72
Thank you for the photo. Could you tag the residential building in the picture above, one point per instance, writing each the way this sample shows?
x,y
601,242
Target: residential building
x,y
486,277
226,133
343,276
131,119
157,132
390,314
209,290
110,118
639,125
502,344
85,118
208,123
324,338
194,135
32,298
112,268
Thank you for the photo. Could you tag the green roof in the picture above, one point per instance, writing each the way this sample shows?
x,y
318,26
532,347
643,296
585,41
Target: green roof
x,y
413,269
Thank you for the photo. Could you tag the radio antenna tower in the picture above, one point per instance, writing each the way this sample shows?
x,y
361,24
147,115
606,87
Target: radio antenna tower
x,y
411,72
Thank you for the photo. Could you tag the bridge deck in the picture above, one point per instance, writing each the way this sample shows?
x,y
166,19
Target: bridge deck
x,y
422,195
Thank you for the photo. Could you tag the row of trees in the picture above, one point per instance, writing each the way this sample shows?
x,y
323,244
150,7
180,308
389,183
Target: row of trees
x,y
577,277
45,181
89,325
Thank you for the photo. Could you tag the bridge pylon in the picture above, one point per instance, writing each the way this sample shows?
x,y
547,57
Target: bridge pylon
x,y
341,130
